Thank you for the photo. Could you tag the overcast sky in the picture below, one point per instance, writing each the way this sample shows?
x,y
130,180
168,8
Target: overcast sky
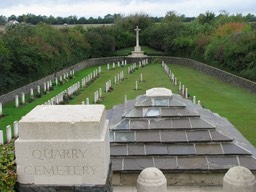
x,y
95,8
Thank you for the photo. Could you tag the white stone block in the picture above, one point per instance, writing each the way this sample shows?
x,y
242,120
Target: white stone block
x,y
63,145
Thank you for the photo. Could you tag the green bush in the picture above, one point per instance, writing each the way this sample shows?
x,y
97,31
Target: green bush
x,y
7,168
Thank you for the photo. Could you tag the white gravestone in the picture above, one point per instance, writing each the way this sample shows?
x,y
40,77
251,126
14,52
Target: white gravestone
x,y
1,109
38,89
194,99
1,137
16,101
8,133
23,98
63,145
31,93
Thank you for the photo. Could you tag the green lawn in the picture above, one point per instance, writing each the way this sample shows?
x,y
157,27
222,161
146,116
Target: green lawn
x,y
236,104
11,113
153,76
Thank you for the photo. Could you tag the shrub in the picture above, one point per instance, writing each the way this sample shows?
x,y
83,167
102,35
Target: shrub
x,y
7,168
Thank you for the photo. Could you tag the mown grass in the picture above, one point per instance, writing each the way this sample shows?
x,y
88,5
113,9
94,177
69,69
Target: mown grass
x,y
153,76
236,104
11,113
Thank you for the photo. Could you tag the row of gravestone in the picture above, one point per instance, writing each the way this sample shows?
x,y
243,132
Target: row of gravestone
x,y
46,88
181,89
58,99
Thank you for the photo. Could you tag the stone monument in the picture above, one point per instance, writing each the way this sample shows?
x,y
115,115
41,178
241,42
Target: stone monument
x,y
137,49
63,146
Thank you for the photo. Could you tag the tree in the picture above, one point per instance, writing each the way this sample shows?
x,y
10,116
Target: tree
x,y
172,16
3,20
12,17
206,18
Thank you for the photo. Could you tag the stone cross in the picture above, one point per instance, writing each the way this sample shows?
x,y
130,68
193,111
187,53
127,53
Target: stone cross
x,y
137,36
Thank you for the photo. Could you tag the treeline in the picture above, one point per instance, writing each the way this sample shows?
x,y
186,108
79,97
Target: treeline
x,y
224,41
29,52
35,19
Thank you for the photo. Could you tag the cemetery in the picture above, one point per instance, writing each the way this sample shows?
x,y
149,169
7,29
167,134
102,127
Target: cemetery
x,y
155,136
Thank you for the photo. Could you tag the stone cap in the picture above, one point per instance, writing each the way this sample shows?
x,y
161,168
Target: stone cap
x,y
159,92
151,176
63,122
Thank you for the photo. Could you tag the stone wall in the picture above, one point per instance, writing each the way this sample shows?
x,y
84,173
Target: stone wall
x,y
212,71
225,76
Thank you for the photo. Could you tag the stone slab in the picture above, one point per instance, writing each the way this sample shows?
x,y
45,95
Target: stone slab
x,y
60,121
